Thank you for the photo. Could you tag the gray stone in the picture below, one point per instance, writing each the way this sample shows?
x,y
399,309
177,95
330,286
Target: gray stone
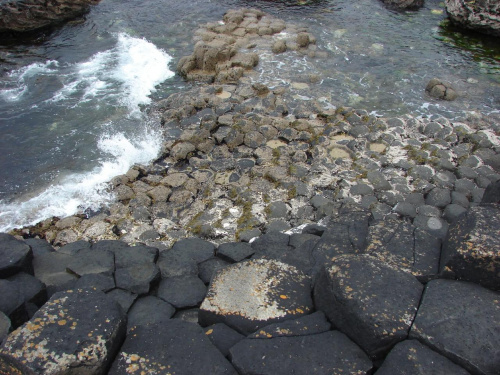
x,y
123,297
32,290
279,46
460,320
12,302
460,199
410,357
39,246
223,337
422,172
464,186
452,212
438,197
188,315
361,189
172,346
51,269
434,225
15,256
137,279
471,251
182,291
371,302
325,353
480,17
252,294
5,326
406,209
74,247
209,267
149,310
378,180
92,261
235,251
103,283
74,329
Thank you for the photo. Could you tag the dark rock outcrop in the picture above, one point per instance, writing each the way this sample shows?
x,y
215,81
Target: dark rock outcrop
x,y
174,347
252,294
440,90
15,256
369,301
28,15
461,321
326,353
471,250
482,15
75,329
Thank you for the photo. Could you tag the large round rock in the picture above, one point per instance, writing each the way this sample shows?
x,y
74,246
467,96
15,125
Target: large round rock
x,y
471,250
255,293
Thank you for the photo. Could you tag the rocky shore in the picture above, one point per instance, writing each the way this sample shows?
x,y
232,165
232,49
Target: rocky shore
x,y
374,244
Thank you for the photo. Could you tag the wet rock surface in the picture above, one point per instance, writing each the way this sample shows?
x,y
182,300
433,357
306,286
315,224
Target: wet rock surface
x,y
23,16
193,250
482,16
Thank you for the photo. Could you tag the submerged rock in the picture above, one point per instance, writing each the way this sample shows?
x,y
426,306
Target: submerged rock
x,y
404,4
440,90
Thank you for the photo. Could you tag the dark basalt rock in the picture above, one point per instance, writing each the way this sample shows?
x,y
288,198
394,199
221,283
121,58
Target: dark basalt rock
x,y
92,325
255,293
235,251
461,321
173,346
51,269
91,261
404,4
482,16
209,267
12,302
440,90
149,310
223,337
326,353
123,297
28,15
410,357
402,245
96,281
368,300
32,290
137,279
15,256
182,291
471,250
492,193
5,327
304,326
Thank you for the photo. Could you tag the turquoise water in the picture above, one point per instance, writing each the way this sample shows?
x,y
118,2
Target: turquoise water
x,y
71,101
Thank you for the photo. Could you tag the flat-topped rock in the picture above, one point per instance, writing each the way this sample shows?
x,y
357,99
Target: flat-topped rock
x,y
410,357
471,250
255,293
15,256
223,337
325,353
174,347
371,302
461,321
74,329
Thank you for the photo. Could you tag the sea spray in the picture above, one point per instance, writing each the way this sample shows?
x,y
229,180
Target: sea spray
x,y
89,190
97,99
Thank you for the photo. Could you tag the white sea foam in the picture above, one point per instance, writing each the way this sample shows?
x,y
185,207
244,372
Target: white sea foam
x,y
18,80
84,190
124,75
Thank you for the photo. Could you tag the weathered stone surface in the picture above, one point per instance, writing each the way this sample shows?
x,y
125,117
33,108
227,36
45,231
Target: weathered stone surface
x,y
134,255
492,193
209,267
4,327
12,302
369,301
235,251
174,347
137,279
27,15
472,248
96,281
303,326
39,246
410,357
461,321
255,293
15,256
182,291
91,261
223,337
403,246
124,298
482,16
149,310
32,290
184,256
51,269
326,353
440,90
74,330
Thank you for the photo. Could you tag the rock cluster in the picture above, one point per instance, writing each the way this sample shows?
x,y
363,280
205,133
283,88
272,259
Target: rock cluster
x,y
272,236
440,90
370,302
482,16
404,4
28,15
